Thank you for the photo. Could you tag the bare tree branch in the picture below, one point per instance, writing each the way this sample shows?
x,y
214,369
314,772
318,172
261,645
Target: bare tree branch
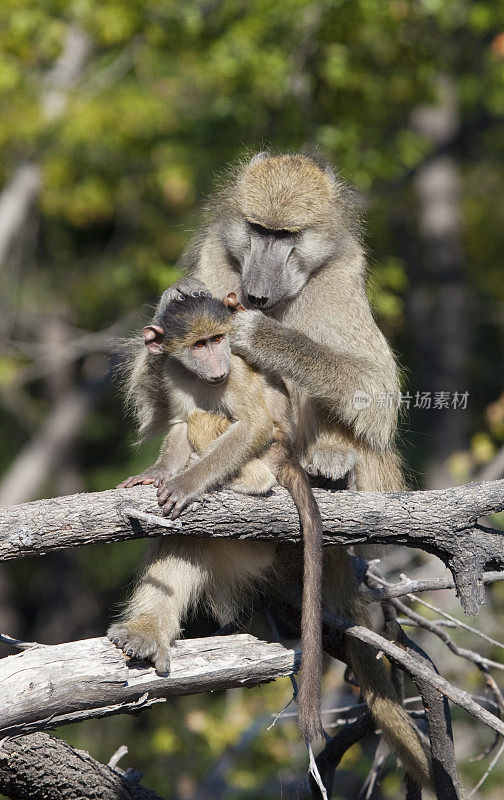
x,y
47,358
331,755
432,627
409,586
47,686
487,772
40,767
411,664
65,73
16,201
18,197
438,717
443,522
375,773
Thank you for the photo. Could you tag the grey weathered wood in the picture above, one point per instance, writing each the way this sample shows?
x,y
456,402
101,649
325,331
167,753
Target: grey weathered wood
x,y
398,655
441,522
46,686
41,767
437,714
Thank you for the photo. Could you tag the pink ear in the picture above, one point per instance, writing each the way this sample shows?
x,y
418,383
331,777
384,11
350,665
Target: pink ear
x,y
154,338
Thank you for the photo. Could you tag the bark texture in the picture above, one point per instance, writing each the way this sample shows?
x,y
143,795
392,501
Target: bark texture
x,y
442,522
40,767
46,686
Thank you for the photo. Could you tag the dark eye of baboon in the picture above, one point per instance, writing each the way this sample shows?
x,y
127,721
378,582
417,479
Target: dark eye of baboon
x,y
234,263
278,233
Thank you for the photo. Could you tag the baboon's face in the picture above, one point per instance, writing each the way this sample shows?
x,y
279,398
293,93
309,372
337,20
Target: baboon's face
x,y
274,264
193,330
279,226
209,358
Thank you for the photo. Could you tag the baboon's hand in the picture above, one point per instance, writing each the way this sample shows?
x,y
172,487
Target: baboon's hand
x,y
152,475
175,494
328,461
136,640
185,287
245,324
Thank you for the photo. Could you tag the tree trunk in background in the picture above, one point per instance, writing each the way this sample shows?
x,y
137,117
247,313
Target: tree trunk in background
x,y
18,215
438,300
62,382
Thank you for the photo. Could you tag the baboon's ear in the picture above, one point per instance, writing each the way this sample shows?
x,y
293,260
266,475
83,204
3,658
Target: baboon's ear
x,y
231,301
154,338
259,157
330,174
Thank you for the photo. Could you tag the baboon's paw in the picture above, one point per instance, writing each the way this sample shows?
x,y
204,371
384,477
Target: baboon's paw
x,y
140,644
153,475
329,462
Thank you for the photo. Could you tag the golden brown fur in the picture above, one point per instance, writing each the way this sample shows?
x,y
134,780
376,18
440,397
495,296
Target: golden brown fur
x,y
280,464
240,433
203,325
287,192
255,477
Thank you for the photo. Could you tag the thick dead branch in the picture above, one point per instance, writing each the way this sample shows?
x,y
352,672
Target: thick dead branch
x,y
443,522
46,686
437,712
40,767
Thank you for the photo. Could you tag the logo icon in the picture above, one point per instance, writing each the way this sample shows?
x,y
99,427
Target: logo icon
x,y
361,400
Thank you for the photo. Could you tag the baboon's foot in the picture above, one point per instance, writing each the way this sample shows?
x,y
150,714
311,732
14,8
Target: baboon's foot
x,y
137,639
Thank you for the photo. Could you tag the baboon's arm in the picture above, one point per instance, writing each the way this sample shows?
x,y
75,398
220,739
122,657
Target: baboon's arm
x,y
335,377
244,439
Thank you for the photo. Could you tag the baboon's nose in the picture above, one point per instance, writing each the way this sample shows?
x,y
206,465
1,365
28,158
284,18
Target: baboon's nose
x,y
257,301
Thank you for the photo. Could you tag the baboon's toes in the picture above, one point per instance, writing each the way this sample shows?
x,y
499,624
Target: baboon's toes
x,y
140,645
162,660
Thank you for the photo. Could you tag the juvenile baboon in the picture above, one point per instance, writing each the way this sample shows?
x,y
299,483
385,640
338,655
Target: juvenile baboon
x,y
227,423
284,236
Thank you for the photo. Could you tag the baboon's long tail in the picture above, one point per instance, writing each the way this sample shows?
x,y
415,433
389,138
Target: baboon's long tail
x,y
373,676
343,596
292,476
388,713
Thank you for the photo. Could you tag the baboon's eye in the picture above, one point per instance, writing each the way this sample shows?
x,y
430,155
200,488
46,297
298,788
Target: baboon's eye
x,y
200,343
282,233
218,337
278,233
